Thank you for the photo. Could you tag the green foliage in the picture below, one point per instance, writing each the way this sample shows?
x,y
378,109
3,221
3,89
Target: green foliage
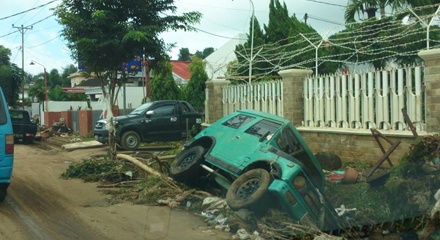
x,y
194,92
163,86
184,55
99,169
10,77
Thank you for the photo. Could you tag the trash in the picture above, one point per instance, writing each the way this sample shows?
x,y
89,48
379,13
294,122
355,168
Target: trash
x,y
209,213
336,176
342,210
188,204
242,234
214,202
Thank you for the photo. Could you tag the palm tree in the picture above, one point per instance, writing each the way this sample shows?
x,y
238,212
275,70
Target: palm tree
x,y
360,7
370,7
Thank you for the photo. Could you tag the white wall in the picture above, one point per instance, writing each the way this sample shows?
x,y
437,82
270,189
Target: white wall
x,y
217,62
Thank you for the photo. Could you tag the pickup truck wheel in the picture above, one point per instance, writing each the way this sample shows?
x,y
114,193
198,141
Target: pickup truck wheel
x,y
187,164
130,140
249,191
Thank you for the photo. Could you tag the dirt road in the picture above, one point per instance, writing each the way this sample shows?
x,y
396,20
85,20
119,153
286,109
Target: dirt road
x,y
41,205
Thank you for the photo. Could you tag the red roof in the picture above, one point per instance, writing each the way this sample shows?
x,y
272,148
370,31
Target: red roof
x,y
181,69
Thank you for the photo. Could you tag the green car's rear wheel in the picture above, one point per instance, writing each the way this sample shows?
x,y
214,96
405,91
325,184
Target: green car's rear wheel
x,y
249,191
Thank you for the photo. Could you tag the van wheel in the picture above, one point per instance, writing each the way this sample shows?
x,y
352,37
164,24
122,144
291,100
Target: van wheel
x,y
186,166
130,140
3,194
250,191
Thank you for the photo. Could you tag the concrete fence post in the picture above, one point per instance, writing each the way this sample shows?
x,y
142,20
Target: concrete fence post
x,y
432,89
214,105
293,94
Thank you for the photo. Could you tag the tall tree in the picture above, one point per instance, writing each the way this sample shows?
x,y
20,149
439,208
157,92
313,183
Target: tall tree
x,y
69,69
184,55
279,21
163,86
104,34
10,77
195,90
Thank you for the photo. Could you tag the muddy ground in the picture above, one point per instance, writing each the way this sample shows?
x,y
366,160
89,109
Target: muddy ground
x,y
41,205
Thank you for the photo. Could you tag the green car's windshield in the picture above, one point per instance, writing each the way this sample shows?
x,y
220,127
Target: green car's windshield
x,y
263,128
141,109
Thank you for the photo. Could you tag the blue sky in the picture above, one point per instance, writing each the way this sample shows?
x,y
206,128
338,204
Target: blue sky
x,y
222,20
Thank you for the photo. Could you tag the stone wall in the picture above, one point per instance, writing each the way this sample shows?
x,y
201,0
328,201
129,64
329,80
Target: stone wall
x,y
352,146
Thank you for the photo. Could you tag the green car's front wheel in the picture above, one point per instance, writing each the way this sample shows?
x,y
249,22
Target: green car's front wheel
x,y
249,190
186,166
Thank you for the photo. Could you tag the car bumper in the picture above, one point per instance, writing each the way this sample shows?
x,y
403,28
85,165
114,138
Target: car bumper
x,y
101,135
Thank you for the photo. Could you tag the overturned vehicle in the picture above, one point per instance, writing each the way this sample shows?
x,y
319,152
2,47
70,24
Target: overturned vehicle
x,y
262,160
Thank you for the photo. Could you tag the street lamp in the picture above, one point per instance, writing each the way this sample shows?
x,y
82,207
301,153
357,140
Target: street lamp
x,y
45,83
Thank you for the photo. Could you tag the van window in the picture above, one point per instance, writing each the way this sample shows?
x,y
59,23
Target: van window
x,y
3,119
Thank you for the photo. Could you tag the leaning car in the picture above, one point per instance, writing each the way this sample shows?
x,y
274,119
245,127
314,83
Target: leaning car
x,y
259,158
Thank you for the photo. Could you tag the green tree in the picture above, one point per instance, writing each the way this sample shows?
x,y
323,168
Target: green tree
x,y
194,92
103,34
279,21
163,86
69,69
184,55
10,77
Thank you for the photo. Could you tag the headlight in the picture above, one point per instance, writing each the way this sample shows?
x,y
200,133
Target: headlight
x,y
299,182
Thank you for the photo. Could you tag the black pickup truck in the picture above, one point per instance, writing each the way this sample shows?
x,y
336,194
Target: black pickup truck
x,y
24,127
166,120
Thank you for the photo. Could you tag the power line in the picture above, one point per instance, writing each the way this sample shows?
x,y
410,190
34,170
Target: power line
x,y
43,5
331,4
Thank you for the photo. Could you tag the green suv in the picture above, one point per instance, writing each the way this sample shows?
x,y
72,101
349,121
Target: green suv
x,y
260,159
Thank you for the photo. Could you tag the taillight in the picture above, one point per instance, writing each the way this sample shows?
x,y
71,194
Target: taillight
x,y
9,144
291,198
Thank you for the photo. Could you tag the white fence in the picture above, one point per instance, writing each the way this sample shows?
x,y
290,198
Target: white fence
x,y
365,100
265,97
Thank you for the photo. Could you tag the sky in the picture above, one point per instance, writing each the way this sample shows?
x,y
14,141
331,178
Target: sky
x,y
32,22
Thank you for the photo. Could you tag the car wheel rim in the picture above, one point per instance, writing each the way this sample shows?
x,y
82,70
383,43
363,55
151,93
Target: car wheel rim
x,y
131,141
187,160
248,188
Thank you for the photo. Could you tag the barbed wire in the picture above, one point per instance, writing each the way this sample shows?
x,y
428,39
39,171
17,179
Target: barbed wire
x,y
382,40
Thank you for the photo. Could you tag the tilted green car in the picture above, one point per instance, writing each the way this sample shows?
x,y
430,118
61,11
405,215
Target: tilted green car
x,y
259,158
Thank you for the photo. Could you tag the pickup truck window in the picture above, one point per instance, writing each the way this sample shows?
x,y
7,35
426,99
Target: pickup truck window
x,y
185,108
140,109
238,121
165,110
19,116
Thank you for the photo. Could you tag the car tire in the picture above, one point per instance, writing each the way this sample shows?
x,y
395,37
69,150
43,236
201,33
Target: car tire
x,y
130,140
250,191
3,194
186,166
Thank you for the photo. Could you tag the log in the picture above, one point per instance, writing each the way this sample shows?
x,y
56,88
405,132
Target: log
x,y
146,168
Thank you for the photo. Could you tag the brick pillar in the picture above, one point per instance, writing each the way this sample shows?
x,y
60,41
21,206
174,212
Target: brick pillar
x,y
67,115
293,94
432,83
85,122
214,104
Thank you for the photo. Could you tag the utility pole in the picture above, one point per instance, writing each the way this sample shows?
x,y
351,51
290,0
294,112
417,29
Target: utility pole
x,y
22,31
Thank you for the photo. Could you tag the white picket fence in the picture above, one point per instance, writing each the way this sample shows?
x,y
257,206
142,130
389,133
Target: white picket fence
x,y
265,97
365,100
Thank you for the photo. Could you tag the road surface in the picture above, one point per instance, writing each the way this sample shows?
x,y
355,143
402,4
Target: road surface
x,y
41,205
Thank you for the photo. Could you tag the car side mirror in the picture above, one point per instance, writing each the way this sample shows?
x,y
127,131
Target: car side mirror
x,y
149,113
